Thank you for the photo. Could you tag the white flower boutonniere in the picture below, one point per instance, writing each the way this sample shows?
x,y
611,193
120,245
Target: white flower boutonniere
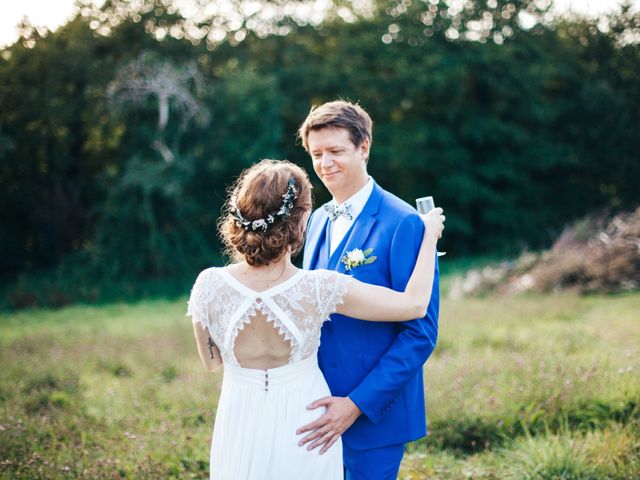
x,y
357,257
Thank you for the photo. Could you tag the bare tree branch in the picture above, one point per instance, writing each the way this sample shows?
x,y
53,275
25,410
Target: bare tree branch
x,y
137,81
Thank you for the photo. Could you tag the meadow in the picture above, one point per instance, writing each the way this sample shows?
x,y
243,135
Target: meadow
x,y
534,387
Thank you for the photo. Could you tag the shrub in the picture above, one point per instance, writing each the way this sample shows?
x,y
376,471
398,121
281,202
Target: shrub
x,y
596,254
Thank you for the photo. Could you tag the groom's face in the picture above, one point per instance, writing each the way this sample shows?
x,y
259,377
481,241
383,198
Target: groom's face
x,y
341,165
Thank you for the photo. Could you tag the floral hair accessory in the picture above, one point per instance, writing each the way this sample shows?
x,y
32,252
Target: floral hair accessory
x,y
263,224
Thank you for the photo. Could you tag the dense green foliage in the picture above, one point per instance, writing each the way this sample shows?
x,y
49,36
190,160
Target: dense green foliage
x,y
514,134
542,387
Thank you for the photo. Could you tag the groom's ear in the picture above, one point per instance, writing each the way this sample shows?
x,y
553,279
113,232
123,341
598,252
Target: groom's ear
x,y
364,148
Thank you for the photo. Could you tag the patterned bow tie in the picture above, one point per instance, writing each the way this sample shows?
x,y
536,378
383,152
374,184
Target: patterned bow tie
x,y
334,211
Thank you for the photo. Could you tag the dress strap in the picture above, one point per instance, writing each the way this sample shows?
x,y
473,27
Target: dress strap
x,y
242,309
284,318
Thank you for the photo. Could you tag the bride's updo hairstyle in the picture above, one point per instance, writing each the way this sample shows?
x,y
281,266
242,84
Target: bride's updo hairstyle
x,y
257,194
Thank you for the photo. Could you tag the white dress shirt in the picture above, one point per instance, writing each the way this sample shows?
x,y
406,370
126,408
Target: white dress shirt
x,y
342,224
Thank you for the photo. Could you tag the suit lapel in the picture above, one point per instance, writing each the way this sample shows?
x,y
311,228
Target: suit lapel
x,y
325,250
316,243
360,230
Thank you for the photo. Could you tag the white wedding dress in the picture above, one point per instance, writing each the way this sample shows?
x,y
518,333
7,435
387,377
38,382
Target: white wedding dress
x,y
259,411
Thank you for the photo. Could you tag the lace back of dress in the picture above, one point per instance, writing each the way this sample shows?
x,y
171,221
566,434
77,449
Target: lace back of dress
x,y
281,325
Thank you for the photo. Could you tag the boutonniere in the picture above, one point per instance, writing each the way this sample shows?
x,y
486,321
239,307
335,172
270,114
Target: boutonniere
x,y
356,257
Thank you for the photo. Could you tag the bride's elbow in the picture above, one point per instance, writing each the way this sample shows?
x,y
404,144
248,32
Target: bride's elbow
x,y
213,366
417,304
420,310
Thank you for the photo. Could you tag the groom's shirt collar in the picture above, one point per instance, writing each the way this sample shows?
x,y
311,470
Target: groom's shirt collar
x,y
359,199
341,226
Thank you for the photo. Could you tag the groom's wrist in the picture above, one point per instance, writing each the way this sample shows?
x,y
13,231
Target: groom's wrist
x,y
357,411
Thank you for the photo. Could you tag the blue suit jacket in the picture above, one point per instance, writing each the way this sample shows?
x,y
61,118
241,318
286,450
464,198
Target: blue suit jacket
x,y
377,364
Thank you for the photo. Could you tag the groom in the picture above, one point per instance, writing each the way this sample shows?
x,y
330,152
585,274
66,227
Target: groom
x,y
374,370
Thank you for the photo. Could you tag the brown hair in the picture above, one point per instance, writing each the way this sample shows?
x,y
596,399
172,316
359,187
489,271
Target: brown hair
x,y
338,114
258,192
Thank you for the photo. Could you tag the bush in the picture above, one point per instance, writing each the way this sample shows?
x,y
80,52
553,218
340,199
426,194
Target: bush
x,y
595,255
599,253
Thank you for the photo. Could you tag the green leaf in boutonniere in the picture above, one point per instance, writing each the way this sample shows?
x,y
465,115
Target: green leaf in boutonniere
x,y
356,257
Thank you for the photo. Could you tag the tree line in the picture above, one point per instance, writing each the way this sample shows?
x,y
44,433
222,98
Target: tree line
x,y
117,145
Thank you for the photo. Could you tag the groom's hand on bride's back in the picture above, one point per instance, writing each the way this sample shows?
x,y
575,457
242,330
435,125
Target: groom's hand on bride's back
x,y
340,414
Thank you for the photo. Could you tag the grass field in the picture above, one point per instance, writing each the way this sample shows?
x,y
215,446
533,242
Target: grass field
x,y
539,387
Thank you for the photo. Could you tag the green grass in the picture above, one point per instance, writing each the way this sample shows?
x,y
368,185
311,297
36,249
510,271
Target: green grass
x,y
525,387
537,387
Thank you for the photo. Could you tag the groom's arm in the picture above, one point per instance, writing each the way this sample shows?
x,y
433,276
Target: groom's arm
x,y
417,338
411,348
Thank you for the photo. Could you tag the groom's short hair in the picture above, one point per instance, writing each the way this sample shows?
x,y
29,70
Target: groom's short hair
x,y
338,114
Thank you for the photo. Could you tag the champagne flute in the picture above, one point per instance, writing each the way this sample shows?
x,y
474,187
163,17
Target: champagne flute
x,y
425,205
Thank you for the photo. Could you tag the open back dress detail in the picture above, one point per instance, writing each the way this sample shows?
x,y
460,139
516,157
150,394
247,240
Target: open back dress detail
x,y
259,410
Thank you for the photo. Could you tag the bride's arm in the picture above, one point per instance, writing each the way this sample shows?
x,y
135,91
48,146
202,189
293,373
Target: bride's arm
x,y
375,303
209,353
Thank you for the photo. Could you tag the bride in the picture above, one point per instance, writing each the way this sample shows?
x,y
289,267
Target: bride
x,y
261,317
